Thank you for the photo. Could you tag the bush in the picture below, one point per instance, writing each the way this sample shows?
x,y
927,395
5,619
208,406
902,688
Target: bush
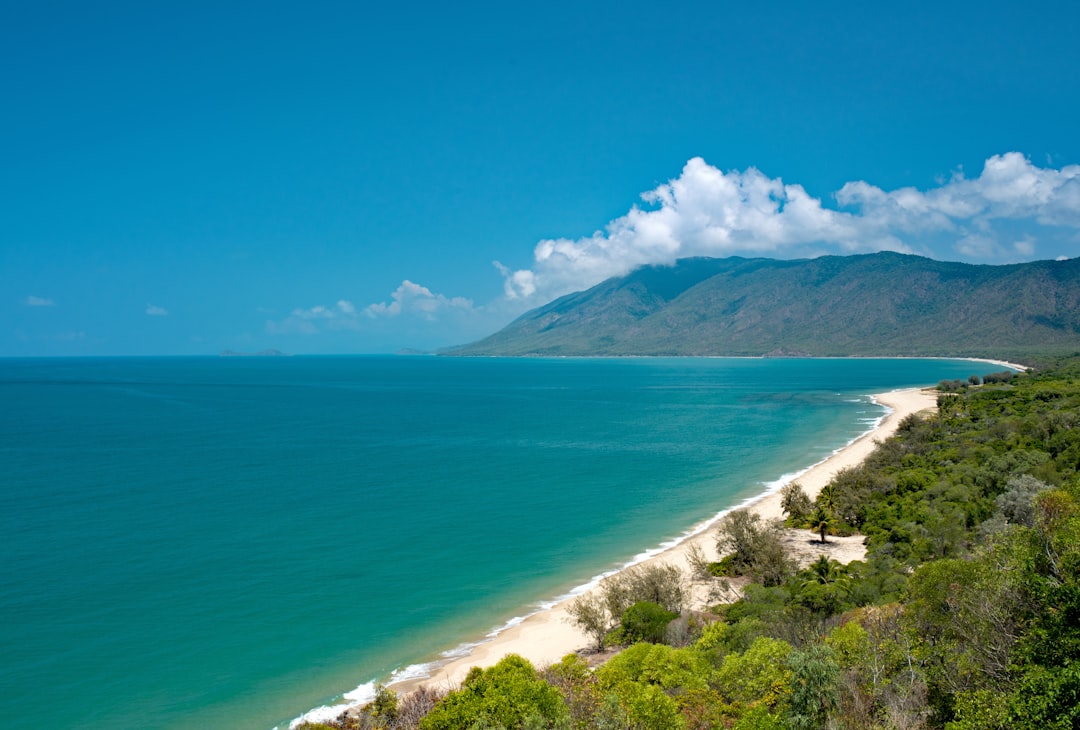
x,y
759,675
1017,503
814,687
656,664
510,695
755,548
795,503
597,612
646,621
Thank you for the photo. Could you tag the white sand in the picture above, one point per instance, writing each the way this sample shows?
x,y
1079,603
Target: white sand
x,y
547,636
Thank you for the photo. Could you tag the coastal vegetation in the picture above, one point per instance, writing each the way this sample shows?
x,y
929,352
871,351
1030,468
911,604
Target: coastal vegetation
x,y
964,614
881,304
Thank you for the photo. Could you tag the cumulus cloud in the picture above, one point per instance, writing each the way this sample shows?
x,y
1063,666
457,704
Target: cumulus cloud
x,y
417,299
1013,210
708,212
1010,187
156,311
1025,246
409,300
32,301
311,320
343,308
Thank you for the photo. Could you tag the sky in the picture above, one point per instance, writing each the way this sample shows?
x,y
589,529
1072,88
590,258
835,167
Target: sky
x,y
345,177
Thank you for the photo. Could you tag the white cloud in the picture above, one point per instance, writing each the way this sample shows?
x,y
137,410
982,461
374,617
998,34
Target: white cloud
x,y
979,247
156,311
32,301
303,321
416,299
708,212
1010,187
409,300
1012,210
703,212
1025,246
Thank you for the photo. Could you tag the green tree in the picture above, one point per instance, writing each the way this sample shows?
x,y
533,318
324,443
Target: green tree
x,y
826,571
823,586
509,694
646,621
820,521
814,687
658,664
580,689
760,675
795,503
589,612
647,679
826,496
963,616
647,707
754,548
599,611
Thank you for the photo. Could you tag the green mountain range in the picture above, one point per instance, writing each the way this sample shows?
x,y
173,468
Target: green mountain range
x,y
876,304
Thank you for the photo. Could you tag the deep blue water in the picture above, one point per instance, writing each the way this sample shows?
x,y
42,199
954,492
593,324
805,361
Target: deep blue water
x,y
228,542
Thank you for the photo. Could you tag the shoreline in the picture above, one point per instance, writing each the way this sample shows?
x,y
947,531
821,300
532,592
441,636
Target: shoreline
x,y
1003,363
546,635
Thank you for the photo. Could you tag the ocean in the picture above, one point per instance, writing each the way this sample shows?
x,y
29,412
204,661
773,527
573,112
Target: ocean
x,y
230,542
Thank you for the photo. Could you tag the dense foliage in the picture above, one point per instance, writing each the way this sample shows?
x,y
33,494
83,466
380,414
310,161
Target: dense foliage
x,y
965,613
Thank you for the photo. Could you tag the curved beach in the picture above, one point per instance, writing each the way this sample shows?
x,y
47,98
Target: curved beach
x,y
546,636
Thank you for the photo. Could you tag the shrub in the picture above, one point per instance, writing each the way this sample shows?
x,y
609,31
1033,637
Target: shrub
x,y
755,548
597,612
759,675
509,694
795,503
646,621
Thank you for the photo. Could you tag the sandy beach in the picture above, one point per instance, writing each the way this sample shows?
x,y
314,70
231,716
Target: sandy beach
x,y
547,636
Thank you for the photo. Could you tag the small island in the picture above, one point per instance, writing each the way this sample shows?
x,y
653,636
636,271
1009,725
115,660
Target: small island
x,y
261,353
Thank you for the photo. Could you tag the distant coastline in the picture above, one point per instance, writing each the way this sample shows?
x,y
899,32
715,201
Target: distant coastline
x,y
261,353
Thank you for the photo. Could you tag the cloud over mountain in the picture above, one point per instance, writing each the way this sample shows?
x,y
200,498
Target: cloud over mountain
x,y
1012,211
996,217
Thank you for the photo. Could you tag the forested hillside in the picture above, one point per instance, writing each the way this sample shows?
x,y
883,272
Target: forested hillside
x,y
964,615
875,304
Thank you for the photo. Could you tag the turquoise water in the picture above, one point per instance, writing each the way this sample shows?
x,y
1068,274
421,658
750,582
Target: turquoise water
x,y
228,542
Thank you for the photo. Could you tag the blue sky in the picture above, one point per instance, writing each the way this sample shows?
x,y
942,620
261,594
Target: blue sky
x,y
324,177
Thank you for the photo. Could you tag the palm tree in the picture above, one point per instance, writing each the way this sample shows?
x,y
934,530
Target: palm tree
x,y
826,497
828,582
821,521
825,570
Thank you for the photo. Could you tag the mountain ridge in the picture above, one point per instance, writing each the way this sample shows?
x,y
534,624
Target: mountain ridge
x,y
884,303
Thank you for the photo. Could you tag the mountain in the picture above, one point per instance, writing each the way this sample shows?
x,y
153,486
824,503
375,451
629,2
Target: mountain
x,y
874,304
